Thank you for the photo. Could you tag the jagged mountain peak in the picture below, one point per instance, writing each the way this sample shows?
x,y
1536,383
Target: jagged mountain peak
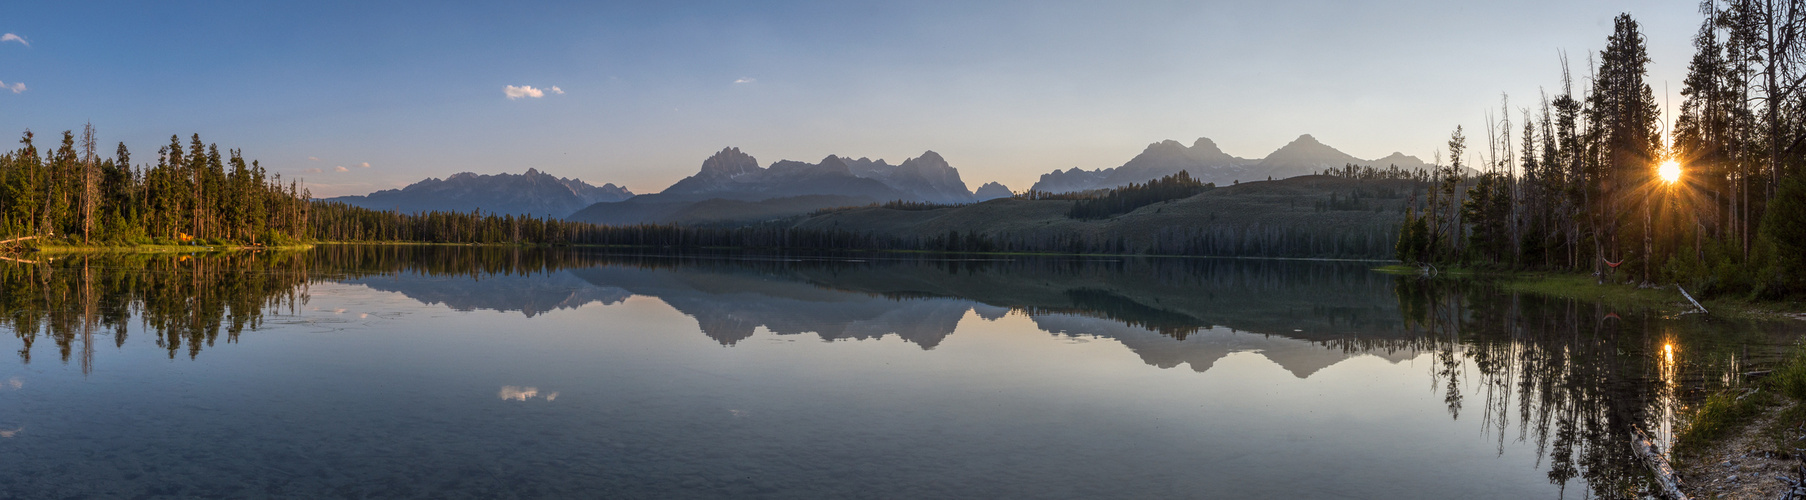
x,y
928,156
1307,148
1165,146
834,164
1205,145
928,160
531,193
1399,159
992,190
730,162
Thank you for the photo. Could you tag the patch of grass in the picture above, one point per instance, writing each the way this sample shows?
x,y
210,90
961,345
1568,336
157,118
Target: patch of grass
x,y
1789,377
1785,434
1399,269
1720,416
1586,287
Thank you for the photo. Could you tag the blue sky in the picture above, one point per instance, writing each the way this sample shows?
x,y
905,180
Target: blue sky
x,y
1004,90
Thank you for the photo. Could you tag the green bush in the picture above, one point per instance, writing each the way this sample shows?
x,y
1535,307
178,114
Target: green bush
x,y
1789,377
1720,414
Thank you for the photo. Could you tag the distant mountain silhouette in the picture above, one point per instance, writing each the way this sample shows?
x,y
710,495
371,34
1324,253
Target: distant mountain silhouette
x,y
924,178
786,188
1303,156
1203,160
1401,161
1207,163
992,191
532,193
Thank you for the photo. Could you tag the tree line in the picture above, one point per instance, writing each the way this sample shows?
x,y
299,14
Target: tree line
x,y
1126,199
1579,183
189,194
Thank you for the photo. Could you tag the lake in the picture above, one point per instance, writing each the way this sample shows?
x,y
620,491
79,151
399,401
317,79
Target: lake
x,y
484,372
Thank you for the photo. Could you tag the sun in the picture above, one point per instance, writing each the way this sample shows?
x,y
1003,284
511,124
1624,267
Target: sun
x,y
1670,171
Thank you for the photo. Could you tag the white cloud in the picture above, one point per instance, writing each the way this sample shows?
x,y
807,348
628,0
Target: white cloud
x,y
746,80
340,168
557,90
9,37
517,393
313,158
16,87
514,92
363,165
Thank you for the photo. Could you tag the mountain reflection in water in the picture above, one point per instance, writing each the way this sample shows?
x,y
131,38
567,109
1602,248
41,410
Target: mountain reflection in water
x,y
1572,378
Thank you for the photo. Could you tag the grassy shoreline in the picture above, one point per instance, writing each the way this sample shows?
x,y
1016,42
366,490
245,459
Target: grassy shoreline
x,y
155,248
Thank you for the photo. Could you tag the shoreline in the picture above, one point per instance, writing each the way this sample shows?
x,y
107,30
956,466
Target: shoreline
x,y
155,249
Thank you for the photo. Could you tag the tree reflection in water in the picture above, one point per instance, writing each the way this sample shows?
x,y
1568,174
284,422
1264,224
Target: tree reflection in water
x,y
1580,377
185,299
1575,379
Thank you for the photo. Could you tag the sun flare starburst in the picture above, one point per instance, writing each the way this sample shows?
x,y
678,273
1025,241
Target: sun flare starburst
x,y
1670,171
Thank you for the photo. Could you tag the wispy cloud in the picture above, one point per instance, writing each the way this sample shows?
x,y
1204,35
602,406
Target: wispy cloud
x,y
311,171
363,165
340,168
557,90
517,393
16,87
746,80
313,158
514,92
9,37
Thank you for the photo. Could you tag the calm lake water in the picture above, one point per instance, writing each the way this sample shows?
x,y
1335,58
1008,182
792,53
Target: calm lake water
x,y
448,372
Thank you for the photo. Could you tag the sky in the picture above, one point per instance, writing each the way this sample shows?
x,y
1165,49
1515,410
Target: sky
x,y
353,97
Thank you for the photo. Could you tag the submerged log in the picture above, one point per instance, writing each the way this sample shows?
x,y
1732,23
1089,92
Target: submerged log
x,y
1652,458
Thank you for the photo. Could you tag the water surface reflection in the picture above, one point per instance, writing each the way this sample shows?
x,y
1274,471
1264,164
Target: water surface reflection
x,y
1556,385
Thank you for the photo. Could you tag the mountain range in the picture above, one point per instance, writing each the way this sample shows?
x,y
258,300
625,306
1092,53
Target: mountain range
x,y
532,193
731,188
1303,156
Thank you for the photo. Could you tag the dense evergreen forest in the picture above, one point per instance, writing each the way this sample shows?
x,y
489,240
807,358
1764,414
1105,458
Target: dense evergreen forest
x,y
1589,180
1136,195
193,194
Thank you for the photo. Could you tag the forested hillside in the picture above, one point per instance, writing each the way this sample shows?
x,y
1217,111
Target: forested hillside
x,y
1354,216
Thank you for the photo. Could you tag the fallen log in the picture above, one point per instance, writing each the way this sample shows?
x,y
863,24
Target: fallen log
x,y
1702,309
1652,458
